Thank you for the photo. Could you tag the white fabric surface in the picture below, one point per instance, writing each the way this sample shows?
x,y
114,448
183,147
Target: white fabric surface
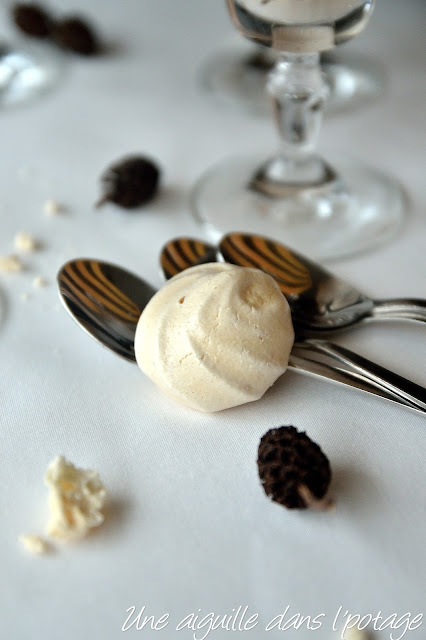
x,y
189,527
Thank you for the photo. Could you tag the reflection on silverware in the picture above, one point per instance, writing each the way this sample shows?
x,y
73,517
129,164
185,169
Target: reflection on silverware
x,y
291,274
182,253
106,301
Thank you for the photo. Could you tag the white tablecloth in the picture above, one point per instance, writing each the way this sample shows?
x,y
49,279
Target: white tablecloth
x,y
189,529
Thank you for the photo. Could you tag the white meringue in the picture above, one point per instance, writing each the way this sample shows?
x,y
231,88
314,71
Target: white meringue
x,y
215,336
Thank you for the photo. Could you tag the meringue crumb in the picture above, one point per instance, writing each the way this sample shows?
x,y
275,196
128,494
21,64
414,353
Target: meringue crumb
x,y
10,264
25,296
52,207
25,242
76,499
355,634
34,544
39,282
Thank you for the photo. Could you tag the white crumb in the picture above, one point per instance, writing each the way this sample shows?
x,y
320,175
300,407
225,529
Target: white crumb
x,y
25,296
76,499
25,242
34,544
39,282
52,207
10,264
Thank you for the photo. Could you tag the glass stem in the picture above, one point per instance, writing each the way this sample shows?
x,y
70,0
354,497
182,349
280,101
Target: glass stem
x,y
298,91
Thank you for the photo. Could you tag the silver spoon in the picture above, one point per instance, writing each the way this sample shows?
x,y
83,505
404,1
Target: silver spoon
x,y
107,301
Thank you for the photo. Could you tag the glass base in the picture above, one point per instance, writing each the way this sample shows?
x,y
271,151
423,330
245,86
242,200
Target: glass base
x,y
357,212
238,77
26,73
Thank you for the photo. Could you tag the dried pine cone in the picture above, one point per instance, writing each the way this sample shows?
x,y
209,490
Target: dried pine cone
x,y
293,470
75,34
130,182
32,19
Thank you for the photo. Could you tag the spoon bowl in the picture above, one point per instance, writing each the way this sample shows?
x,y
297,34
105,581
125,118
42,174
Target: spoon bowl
x,y
105,300
182,253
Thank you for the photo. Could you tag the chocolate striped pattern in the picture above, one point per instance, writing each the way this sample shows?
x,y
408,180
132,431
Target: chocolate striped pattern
x,y
84,283
245,250
181,253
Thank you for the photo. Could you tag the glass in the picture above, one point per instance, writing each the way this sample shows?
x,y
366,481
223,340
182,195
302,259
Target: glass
x,y
296,196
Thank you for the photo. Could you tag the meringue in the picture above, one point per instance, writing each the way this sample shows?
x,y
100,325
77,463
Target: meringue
x,y
76,499
215,336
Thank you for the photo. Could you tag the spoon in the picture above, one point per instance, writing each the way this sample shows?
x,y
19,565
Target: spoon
x,y
107,301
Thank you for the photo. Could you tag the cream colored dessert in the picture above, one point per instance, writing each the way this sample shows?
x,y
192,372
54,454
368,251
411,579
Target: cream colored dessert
x,y
215,336
300,11
34,544
52,208
25,242
76,499
39,282
10,264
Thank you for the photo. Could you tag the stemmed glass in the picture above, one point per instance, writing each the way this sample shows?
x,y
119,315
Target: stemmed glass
x,y
295,195
28,68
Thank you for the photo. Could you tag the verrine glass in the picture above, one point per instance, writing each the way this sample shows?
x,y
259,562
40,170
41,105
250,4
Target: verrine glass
x,y
328,209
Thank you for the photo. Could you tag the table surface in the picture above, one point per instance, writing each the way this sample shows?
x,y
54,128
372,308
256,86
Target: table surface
x,y
188,528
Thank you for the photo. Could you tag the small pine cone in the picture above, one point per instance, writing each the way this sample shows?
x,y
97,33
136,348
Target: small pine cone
x,y
131,182
75,34
32,19
293,470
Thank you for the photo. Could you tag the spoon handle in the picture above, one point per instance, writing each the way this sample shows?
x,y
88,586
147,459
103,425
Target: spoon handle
x,y
316,365
356,370
400,309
